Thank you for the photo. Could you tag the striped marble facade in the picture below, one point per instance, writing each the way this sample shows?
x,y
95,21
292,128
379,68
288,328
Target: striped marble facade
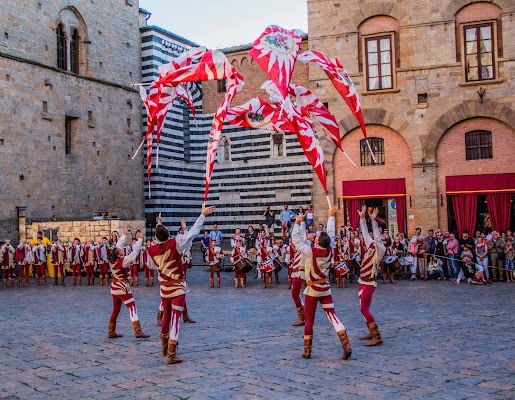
x,y
242,185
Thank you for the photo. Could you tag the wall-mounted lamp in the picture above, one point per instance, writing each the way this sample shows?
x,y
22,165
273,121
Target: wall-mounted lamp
x,y
441,200
481,92
338,204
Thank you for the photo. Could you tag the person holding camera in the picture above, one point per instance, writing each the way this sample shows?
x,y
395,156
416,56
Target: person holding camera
x,y
269,216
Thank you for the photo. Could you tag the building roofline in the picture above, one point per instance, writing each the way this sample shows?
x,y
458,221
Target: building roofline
x,y
172,35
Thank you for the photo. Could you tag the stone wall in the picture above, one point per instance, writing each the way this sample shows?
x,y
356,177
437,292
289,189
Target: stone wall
x,y
105,114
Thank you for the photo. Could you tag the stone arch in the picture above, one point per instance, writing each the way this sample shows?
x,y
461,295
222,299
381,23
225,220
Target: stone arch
x,y
235,63
464,111
71,19
83,29
373,9
245,62
456,5
224,150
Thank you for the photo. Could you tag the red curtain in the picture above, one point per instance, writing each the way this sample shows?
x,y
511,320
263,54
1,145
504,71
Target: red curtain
x,y
353,205
400,204
465,209
499,208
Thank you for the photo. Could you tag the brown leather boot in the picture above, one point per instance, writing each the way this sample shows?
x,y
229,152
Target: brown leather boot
x,y
301,317
89,281
289,283
12,282
19,281
55,281
107,280
164,342
277,278
137,330
62,280
270,282
376,339
5,283
337,282
93,280
384,279
242,282
172,352
136,279
218,282
112,331
37,281
146,282
101,280
370,335
343,281
264,281
74,280
159,317
308,345
80,279
236,282
185,316
391,279
44,280
152,282
211,282
131,281
26,281
347,351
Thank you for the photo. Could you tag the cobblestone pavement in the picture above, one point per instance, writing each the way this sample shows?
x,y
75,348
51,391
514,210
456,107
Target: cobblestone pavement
x,y
441,341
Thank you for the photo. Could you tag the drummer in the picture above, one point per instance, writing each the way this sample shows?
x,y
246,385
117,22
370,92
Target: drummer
x,y
388,261
264,255
341,254
214,255
278,256
238,256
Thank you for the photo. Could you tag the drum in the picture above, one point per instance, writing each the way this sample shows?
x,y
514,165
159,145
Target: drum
x,y
393,264
342,268
215,265
268,266
278,265
356,258
390,259
247,265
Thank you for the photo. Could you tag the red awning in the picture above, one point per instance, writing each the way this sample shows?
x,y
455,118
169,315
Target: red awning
x,y
470,184
377,188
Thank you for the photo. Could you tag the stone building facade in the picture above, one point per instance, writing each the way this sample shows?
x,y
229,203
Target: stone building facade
x,y
436,80
70,122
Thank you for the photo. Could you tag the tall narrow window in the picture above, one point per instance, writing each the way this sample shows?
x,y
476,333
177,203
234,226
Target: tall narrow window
x,y
377,145
479,52
222,86
379,62
478,145
68,134
226,151
277,140
61,47
74,52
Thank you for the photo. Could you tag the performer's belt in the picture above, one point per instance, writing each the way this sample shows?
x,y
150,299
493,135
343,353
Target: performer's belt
x,y
172,282
119,280
298,269
317,282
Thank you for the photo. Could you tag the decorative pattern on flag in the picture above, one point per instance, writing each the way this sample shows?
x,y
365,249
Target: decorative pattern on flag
x,y
185,94
276,52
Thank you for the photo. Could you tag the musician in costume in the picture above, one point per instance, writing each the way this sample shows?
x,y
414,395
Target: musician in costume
x,y
276,255
39,261
264,255
75,256
355,252
341,254
237,236
165,255
388,262
103,251
90,259
120,266
374,252
214,256
7,253
317,260
149,273
24,257
59,257
239,258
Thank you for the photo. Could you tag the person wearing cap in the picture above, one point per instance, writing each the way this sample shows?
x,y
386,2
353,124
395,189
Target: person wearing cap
x,y
90,259
102,251
58,259
149,273
7,254
165,256
76,253
44,240
120,266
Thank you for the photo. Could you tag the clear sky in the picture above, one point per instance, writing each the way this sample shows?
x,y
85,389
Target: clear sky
x,y
224,23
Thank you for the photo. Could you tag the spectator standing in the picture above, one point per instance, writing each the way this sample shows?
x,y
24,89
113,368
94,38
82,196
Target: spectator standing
x,y
453,248
422,250
216,235
509,259
481,251
431,242
205,245
418,233
467,243
496,248
269,216
310,216
441,252
286,217
320,229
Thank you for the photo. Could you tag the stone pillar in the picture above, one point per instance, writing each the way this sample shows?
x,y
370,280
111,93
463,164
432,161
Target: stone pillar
x,y
22,229
425,204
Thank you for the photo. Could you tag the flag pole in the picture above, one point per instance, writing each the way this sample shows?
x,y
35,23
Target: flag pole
x,y
350,159
141,84
371,152
328,201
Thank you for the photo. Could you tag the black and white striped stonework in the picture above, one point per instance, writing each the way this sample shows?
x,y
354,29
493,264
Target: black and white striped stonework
x,y
240,186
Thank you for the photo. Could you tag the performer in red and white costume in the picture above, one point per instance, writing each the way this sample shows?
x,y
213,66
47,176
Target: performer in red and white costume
x,y
277,255
355,255
39,261
374,253
298,274
264,254
341,253
149,273
165,255
103,251
7,252
239,253
59,256
76,253
135,263
237,236
24,257
90,259
120,266
214,253
317,259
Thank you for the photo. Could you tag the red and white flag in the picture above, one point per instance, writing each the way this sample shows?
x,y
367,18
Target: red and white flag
x,y
276,52
258,114
185,94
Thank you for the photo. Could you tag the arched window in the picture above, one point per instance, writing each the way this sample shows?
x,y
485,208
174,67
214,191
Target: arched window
x,y
61,48
377,145
74,52
224,150
277,145
478,145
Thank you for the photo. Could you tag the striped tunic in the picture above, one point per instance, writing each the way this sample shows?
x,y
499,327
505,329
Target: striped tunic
x,y
374,253
121,270
316,260
166,257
